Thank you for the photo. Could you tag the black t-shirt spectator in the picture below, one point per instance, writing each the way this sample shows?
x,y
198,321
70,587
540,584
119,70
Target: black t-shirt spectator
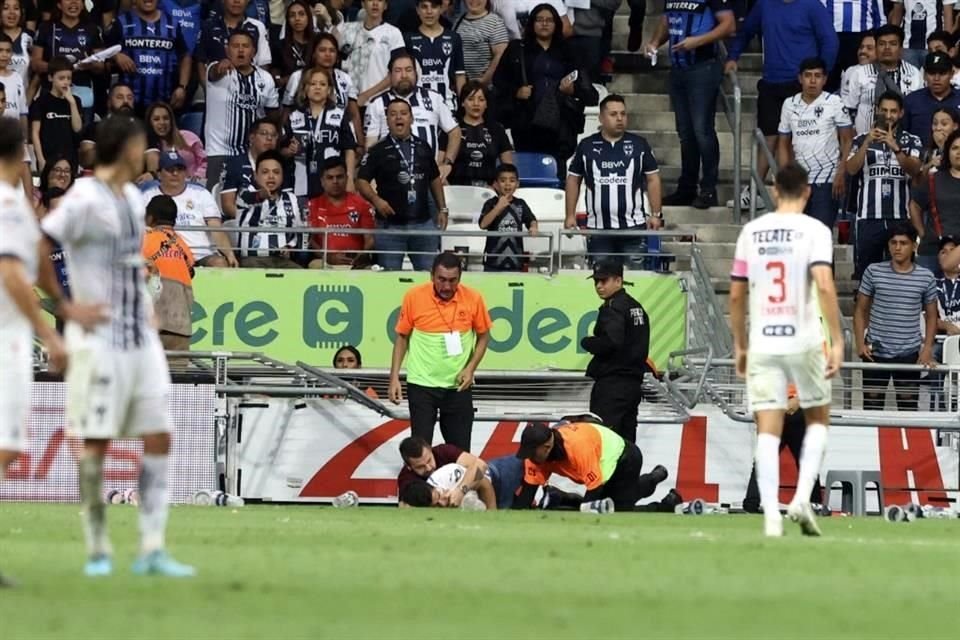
x,y
57,138
505,253
403,171
74,44
947,192
482,145
442,454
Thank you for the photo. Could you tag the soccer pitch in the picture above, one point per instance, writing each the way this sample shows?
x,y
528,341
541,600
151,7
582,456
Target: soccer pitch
x,y
311,572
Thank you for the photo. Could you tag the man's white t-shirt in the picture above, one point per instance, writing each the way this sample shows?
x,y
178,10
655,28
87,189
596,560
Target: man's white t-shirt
x,y
16,106
813,131
447,477
774,255
195,205
370,51
19,235
859,91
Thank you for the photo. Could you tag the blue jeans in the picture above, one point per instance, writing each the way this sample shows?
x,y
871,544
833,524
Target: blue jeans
x,y
506,476
822,205
421,248
693,94
627,250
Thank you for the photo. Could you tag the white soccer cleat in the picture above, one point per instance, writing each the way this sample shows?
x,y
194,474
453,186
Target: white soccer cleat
x,y
802,514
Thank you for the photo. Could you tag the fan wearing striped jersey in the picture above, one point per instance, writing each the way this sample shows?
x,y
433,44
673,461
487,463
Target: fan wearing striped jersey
x,y
118,382
20,314
781,260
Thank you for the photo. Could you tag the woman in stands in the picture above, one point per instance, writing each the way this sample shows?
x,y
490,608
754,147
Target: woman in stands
x,y
13,23
547,88
484,38
57,173
163,135
324,131
484,143
945,121
291,53
935,205
326,56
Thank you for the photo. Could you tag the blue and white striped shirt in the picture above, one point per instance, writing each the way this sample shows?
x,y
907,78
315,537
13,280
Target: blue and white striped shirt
x,y
855,16
898,300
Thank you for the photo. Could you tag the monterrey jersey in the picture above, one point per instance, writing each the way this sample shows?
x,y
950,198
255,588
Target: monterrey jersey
x,y
102,234
234,103
280,212
16,105
156,48
20,62
195,205
859,92
187,14
615,176
447,477
920,19
214,36
692,18
74,44
19,235
885,192
439,60
774,255
813,130
430,115
855,16
327,135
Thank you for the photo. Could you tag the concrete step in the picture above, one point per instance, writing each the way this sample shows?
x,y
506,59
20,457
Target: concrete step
x,y
721,231
666,120
626,61
666,146
657,82
643,103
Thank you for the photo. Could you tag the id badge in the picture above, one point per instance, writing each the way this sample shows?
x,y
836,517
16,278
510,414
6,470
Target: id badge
x,y
453,343
411,197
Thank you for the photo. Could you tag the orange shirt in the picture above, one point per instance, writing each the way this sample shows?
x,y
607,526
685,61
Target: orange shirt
x,y
171,255
424,311
588,461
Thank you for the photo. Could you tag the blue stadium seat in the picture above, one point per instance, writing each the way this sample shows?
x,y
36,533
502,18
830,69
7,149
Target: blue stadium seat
x,y
537,169
192,121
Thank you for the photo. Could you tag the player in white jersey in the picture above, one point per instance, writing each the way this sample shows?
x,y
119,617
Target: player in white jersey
x,y
118,379
781,259
21,259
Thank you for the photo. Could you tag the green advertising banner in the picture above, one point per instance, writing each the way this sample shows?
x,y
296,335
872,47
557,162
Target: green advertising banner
x,y
306,315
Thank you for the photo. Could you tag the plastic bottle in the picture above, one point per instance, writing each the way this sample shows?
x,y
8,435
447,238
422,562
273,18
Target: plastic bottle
x,y
943,513
202,498
346,500
895,513
598,506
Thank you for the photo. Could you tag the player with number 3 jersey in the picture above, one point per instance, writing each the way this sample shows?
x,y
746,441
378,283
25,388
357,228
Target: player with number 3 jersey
x,y
780,259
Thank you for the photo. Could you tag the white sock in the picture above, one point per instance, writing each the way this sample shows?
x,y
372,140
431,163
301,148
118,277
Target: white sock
x,y
154,503
811,457
94,512
768,474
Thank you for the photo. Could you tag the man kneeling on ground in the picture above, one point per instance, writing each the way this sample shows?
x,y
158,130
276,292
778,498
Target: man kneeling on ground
x,y
420,460
496,488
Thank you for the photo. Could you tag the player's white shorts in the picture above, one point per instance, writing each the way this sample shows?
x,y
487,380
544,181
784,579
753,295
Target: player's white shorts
x,y
16,380
113,393
769,375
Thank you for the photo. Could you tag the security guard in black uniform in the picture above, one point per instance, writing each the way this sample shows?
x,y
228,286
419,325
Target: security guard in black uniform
x,y
620,343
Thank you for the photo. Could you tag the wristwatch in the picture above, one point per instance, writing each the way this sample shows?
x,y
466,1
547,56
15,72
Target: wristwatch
x,y
657,214
444,210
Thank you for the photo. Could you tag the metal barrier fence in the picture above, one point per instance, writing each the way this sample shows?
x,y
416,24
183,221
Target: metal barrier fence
x,y
733,109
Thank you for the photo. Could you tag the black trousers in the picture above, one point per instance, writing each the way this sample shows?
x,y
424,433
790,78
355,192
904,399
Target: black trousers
x,y
794,427
905,384
616,400
455,409
627,485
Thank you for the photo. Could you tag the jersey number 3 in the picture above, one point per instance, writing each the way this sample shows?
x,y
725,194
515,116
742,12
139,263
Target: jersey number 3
x,y
779,280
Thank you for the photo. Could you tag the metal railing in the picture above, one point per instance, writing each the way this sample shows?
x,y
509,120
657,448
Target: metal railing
x,y
706,323
733,109
757,185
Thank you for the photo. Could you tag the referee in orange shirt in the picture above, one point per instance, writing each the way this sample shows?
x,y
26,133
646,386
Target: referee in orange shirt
x,y
445,328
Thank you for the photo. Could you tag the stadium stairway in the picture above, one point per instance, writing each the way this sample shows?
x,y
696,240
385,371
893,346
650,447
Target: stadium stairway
x,y
650,115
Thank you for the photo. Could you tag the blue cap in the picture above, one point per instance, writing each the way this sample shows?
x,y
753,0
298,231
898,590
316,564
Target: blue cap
x,y
170,159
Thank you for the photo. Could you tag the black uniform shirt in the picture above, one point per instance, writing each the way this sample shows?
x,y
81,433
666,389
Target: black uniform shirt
x,y
621,338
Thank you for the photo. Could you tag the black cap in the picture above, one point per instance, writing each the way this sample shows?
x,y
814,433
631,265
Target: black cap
x,y
606,269
945,240
534,435
938,63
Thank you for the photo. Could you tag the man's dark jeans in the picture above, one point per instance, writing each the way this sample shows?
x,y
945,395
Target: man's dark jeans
x,y
693,94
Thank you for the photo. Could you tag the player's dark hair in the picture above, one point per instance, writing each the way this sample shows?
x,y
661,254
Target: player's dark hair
x,y
5,38
352,349
50,195
336,162
506,167
162,209
940,35
401,54
11,140
613,97
58,64
247,34
791,181
113,135
891,95
902,229
417,493
447,260
811,64
271,154
889,30
412,447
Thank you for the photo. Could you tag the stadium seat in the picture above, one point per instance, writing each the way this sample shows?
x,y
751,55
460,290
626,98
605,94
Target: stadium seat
x,y
232,236
548,205
465,202
536,169
192,121
474,244
853,490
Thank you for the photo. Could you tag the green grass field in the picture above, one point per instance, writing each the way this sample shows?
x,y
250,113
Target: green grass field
x,y
309,572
